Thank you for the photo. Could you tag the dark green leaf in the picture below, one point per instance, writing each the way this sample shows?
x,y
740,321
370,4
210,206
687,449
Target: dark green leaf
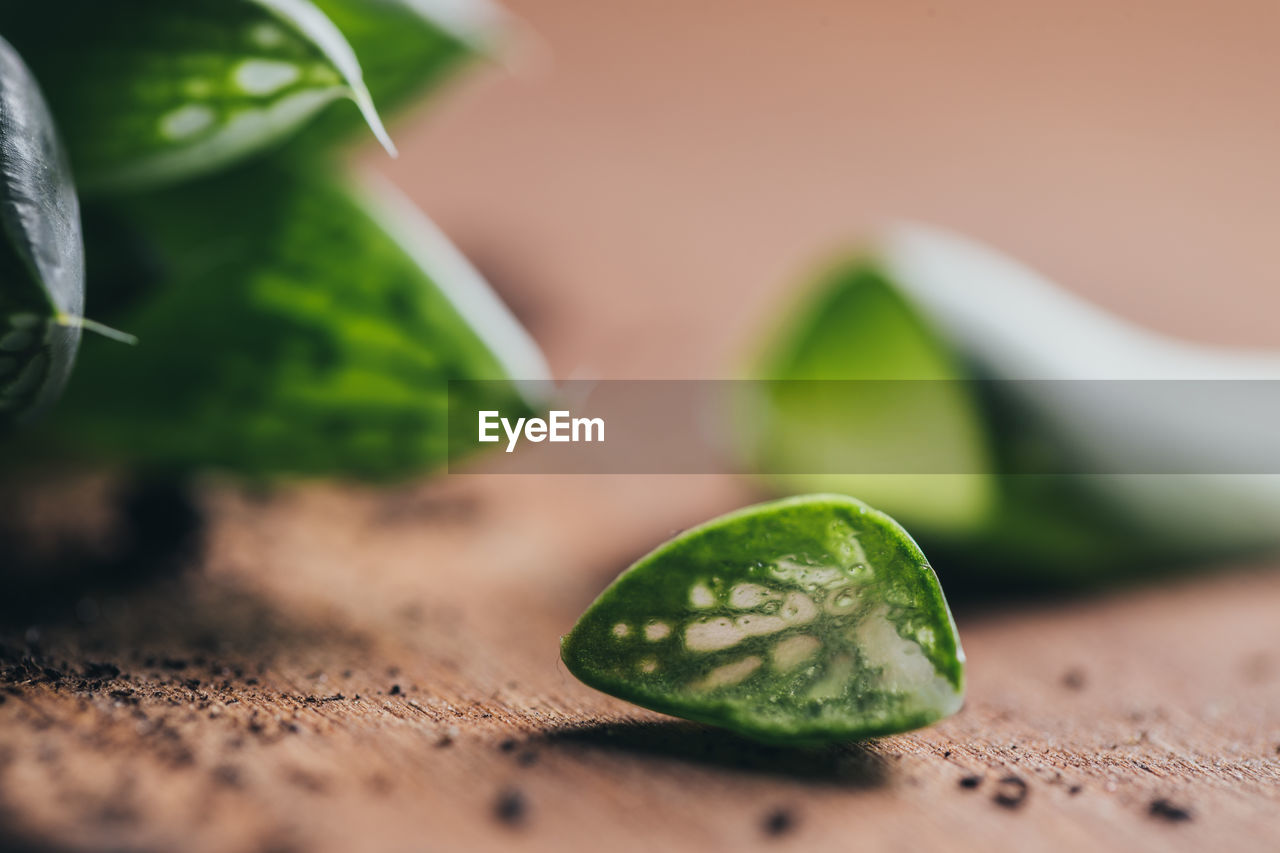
x,y
294,329
41,254
153,91
805,620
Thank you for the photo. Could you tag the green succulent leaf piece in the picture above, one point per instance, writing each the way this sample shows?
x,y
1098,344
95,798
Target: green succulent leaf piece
x,y
293,328
41,251
856,326
149,92
810,619
928,305
407,46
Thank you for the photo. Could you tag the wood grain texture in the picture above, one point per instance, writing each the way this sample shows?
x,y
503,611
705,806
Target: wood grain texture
x,y
380,671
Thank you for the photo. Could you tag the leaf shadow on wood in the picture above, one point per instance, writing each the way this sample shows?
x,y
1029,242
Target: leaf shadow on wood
x,y
852,766
155,532
134,598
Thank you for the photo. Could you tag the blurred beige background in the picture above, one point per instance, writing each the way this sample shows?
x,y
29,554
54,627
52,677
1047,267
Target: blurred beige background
x,y
649,178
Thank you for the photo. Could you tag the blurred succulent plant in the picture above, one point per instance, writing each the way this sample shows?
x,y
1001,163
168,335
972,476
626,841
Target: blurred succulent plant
x,y
288,322
1042,439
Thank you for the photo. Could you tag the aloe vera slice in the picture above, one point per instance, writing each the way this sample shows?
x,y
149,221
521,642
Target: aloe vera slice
x,y
806,620
149,92
41,252
295,328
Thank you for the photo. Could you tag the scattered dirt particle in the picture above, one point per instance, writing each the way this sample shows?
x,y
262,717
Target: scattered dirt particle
x,y
1167,810
395,690
946,754
1073,679
309,782
779,822
528,758
98,671
227,774
510,807
1011,792
1075,789
970,782
508,745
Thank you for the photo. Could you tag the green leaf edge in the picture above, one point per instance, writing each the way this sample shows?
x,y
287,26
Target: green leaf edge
x,y
305,17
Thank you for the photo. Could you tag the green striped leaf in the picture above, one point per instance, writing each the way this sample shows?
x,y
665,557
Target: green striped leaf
x,y
150,92
294,328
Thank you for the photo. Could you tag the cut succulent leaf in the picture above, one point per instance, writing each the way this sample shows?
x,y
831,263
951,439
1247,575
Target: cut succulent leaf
x,y
149,92
41,251
1011,323
859,328
291,335
924,294
806,620
407,46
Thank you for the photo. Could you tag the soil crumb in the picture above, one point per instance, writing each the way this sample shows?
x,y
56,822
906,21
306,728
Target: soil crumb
x,y
510,807
1011,793
779,822
1073,679
1167,810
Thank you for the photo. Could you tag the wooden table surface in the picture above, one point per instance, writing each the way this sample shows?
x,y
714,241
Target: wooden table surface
x,y
380,671
346,669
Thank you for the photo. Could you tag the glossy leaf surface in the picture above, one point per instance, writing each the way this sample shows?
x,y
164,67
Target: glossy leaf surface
x,y
809,619
41,252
